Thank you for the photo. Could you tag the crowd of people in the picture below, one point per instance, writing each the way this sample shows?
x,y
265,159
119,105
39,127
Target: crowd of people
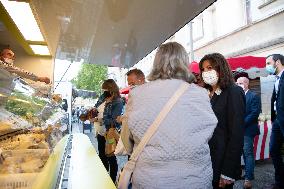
x,y
200,141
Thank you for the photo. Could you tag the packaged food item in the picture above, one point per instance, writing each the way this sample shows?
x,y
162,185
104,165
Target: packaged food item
x,y
23,161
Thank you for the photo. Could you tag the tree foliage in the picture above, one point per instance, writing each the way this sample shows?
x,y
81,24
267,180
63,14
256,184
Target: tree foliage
x,y
90,77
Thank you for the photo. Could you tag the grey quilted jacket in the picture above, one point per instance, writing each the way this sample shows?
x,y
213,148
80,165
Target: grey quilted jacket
x,y
177,156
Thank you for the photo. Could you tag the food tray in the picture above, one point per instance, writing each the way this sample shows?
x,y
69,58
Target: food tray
x,y
17,181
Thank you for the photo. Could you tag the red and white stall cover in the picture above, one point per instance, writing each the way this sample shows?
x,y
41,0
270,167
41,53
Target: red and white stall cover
x,y
261,142
125,90
253,66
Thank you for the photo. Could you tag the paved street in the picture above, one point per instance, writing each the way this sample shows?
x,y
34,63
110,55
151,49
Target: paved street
x,y
263,171
264,176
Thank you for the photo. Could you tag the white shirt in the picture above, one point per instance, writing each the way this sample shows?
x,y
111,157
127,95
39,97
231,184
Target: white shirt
x,y
218,91
277,81
87,121
276,86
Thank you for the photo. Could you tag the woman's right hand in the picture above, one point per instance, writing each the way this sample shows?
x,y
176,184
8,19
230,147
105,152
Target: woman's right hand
x,y
94,119
223,182
119,119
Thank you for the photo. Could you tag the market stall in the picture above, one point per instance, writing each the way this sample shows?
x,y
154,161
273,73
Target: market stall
x,y
261,142
97,32
32,124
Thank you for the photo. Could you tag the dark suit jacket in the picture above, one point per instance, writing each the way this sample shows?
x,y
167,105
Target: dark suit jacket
x,y
226,144
279,118
253,109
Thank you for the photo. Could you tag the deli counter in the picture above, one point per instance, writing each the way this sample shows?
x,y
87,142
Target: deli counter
x,y
33,132
37,148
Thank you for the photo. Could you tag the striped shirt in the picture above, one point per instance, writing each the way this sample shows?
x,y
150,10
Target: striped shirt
x,y
18,71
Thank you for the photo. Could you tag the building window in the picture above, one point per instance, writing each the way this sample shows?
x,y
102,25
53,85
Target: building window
x,y
214,23
197,27
264,3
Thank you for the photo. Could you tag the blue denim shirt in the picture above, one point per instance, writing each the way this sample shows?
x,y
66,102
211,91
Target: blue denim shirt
x,y
111,111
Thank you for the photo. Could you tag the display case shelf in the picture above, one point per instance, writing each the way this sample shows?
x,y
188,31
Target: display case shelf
x,y
33,134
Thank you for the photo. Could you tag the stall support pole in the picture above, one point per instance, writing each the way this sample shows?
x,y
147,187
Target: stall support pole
x,y
191,42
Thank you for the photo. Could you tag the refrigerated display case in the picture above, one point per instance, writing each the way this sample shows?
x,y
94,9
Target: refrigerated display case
x,y
33,132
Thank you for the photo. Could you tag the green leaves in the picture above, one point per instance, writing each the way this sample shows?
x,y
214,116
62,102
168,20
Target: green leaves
x,y
90,77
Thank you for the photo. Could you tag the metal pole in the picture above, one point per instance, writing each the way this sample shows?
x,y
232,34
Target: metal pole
x,y
191,42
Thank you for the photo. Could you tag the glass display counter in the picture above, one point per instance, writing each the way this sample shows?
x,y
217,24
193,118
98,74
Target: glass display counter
x,y
36,149
32,122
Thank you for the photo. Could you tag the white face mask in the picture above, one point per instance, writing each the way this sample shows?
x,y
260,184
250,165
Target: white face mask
x,y
242,86
9,61
210,77
133,86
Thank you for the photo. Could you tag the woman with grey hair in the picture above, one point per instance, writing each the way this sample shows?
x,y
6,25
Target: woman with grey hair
x,y
177,155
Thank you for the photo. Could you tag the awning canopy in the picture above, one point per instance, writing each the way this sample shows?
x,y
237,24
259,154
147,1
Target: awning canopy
x,y
124,90
246,62
110,32
253,66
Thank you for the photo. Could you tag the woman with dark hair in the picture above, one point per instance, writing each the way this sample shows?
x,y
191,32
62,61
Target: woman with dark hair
x,y
113,109
228,103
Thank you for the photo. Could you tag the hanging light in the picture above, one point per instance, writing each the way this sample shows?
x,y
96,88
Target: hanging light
x,y
40,50
23,17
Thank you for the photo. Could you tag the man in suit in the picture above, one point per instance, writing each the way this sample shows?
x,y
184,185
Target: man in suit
x,y
253,109
275,66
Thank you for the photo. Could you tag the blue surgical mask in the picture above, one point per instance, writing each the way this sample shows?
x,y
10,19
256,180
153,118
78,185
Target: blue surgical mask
x,y
133,86
270,69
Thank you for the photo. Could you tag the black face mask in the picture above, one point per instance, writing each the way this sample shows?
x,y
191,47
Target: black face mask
x,y
107,94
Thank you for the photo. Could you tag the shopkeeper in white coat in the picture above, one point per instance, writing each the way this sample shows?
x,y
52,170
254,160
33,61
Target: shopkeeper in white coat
x,y
7,57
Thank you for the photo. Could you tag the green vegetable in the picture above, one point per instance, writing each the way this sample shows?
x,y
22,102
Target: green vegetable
x,y
23,105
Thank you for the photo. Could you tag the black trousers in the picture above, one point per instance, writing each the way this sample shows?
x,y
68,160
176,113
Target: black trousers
x,y
216,186
110,163
276,142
